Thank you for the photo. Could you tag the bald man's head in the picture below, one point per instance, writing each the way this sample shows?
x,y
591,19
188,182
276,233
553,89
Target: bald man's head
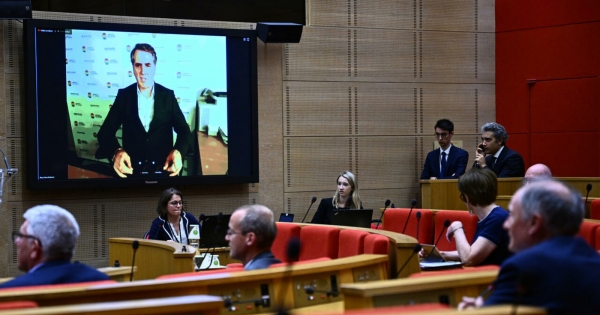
x,y
537,172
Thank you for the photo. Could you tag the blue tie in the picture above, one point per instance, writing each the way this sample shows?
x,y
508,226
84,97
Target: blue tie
x,y
443,165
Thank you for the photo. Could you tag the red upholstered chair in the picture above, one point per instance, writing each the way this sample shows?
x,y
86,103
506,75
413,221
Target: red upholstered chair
x,y
351,243
17,305
598,239
588,232
595,209
395,219
319,241
285,232
469,225
376,244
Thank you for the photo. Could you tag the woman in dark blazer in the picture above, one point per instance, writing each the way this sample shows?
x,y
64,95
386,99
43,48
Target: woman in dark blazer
x,y
172,224
346,197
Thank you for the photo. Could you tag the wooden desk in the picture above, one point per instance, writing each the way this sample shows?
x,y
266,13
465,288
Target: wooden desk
x,y
153,258
492,310
283,285
431,289
181,305
443,193
119,274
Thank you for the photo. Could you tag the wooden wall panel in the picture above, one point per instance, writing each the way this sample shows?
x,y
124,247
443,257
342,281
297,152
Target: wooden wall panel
x,y
316,109
313,163
387,162
385,109
457,15
384,55
322,54
392,14
468,106
456,57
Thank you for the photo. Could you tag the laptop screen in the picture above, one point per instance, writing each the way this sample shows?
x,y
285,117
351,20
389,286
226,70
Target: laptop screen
x,y
355,217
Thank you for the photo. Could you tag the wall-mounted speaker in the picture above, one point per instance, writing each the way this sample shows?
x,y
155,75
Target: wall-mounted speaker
x,y
15,9
279,32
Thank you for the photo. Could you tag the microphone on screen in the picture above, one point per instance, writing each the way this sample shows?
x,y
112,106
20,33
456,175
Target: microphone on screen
x,y
413,203
416,249
312,201
418,223
135,246
387,204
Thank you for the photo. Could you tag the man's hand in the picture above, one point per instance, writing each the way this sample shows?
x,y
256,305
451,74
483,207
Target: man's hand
x,y
173,163
470,303
122,163
480,158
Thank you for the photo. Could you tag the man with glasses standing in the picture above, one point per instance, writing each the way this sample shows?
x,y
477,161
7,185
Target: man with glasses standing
x,y
448,161
45,245
493,153
251,233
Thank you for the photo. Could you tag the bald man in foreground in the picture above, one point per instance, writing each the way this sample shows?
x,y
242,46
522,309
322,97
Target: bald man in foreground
x,y
251,233
553,267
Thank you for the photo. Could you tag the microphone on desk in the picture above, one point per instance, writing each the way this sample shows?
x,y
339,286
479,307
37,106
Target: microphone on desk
x,y
387,204
413,203
588,188
135,246
418,223
311,203
446,225
416,249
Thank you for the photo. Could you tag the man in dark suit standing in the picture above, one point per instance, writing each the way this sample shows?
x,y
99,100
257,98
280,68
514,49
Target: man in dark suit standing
x,y
448,161
494,154
45,245
553,267
149,113
250,234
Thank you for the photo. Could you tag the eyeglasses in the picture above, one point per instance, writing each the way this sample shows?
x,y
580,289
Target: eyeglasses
x,y
176,203
231,232
17,234
441,135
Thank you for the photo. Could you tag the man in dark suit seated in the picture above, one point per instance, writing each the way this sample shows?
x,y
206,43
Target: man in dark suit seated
x,y
448,161
45,244
251,233
553,267
494,154
149,113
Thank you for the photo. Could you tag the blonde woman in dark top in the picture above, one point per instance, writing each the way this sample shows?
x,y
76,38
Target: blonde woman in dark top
x,y
346,197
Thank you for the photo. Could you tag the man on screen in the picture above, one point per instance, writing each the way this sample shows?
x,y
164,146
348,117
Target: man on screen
x,y
149,113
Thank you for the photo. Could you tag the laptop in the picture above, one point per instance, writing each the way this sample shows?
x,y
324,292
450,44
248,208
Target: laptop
x,y
286,217
354,217
214,230
435,260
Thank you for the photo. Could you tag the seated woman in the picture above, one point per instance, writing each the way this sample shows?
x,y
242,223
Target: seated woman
x,y
346,197
478,189
172,224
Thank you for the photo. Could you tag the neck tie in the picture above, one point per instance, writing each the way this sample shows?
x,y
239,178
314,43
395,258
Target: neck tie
x,y
443,165
494,164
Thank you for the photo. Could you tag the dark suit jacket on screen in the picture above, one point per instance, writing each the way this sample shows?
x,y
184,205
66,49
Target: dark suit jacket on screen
x,y
57,272
509,164
560,274
456,162
153,145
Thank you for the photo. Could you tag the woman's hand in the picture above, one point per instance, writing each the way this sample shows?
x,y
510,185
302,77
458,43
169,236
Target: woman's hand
x,y
456,225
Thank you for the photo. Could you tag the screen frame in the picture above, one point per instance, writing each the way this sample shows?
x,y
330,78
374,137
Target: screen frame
x,y
31,79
